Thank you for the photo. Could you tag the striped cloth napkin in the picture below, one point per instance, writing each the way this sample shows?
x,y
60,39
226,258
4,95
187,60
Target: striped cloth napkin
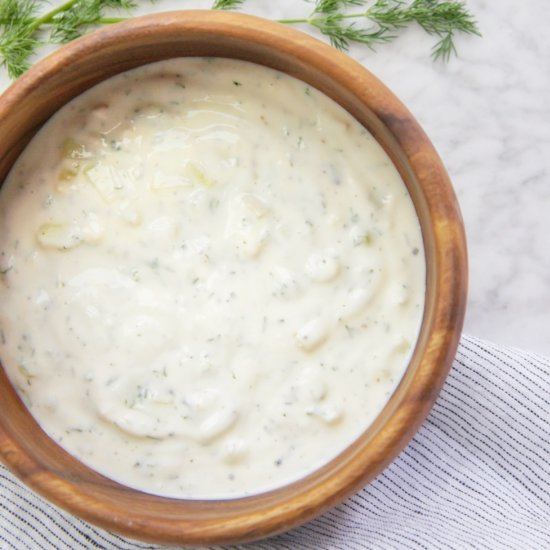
x,y
476,475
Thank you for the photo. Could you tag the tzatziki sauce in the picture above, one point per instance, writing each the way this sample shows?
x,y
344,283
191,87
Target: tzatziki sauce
x,y
212,278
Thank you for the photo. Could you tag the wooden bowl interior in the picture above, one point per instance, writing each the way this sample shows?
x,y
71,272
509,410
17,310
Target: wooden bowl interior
x,y
43,465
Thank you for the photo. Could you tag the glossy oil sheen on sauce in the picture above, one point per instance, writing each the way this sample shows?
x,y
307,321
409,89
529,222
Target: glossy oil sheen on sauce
x,y
212,278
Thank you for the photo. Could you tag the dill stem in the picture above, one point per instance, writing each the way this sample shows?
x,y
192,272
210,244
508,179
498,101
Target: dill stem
x,y
293,21
48,16
105,21
100,21
310,20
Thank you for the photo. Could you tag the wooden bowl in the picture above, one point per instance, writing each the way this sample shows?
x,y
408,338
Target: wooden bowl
x,y
42,90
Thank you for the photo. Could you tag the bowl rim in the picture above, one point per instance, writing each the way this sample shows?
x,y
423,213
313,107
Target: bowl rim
x,y
448,267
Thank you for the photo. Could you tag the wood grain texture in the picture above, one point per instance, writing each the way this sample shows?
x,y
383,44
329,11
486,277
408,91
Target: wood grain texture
x,y
32,99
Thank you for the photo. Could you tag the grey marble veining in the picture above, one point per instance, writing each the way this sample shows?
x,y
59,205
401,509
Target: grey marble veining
x,y
488,114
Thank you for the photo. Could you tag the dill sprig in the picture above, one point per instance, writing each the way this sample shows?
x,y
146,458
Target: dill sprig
x,y
23,26
17,41
442,19
385,17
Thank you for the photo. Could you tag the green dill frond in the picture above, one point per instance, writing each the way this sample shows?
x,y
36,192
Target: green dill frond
x,y
433,16
17,40
444,18
444,48
332,6
341,34
441,18
13,11
227,4
83,14
16,47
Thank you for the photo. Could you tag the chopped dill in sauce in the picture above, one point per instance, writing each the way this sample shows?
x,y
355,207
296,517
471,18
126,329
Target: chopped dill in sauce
x,y
209,271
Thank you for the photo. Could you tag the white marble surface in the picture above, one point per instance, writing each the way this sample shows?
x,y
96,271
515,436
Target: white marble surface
x,y
488,114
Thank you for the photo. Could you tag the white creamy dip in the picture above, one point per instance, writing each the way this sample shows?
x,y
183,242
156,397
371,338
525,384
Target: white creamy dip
x,y
212,278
